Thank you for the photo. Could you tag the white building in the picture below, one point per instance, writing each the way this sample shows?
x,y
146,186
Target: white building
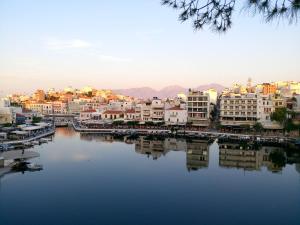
x,y
238,109
87,114
120,105
175,116
266,107
7,112
146,111
157,110
131,115
47,108
60,107
198,104
213,95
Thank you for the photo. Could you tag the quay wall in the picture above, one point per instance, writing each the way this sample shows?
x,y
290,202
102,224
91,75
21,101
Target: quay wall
x,y
213,134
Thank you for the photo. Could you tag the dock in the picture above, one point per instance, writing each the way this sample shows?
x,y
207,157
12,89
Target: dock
x,y
22,141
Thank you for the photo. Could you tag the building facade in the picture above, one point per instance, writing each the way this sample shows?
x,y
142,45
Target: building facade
x,y
175,116
198,108
238,109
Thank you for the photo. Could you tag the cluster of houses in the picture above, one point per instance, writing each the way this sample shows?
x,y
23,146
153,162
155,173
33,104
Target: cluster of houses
x,y
235,107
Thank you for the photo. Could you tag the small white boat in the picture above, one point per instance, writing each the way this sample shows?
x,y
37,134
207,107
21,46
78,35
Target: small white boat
x,y
43,140
35,142
28,144
34,167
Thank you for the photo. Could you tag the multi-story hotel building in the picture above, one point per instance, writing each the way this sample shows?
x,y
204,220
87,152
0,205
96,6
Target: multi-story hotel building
x,y
238,109
198,106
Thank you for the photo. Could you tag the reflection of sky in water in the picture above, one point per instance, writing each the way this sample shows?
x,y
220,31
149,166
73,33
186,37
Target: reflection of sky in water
x,y
94,182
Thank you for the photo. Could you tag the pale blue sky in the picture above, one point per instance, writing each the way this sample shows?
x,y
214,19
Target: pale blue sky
x,y
134,43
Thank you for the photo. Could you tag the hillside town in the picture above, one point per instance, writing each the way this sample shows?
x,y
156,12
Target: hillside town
x,y
268,107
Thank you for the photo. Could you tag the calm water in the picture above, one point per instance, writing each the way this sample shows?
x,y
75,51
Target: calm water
x,y
91,179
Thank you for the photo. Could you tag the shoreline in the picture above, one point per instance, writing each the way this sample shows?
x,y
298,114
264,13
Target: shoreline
x,y
179,132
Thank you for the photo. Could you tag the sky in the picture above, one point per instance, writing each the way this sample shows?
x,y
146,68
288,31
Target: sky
x,y
135,43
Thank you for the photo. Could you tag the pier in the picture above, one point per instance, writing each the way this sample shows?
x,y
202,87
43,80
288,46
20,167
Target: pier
x,y
22,141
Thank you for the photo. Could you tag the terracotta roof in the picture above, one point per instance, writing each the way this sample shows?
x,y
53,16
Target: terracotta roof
x,y
175,108
113,112
130,111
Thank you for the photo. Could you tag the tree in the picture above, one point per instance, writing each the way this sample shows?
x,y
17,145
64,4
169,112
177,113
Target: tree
x,y
132,123
278,158
280,115
217,14
284,117
36,119
258,127
7,125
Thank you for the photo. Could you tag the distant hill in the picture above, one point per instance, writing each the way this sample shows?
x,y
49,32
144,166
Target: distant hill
x,y
169,91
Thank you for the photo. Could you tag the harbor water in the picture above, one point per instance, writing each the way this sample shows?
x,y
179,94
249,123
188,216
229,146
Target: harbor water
x,y
98,179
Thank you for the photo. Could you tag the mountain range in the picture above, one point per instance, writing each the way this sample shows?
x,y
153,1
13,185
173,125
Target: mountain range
x,y
169,91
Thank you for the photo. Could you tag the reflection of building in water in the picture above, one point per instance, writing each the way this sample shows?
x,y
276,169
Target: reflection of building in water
x,y
158,148
65,131
154,148
196,152
197,155
233,155
96,137
297,166
173,144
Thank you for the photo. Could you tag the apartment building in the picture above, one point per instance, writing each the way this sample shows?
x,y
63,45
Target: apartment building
x,y
146,111
47,108
87,114
175,116
74,107
131,115
198,108
60,107
238,109
265,108
119,105
157,110
35,107
112,114
279,101
8,112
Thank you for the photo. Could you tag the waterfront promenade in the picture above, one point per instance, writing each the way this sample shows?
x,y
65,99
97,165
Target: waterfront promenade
x,y
185,132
